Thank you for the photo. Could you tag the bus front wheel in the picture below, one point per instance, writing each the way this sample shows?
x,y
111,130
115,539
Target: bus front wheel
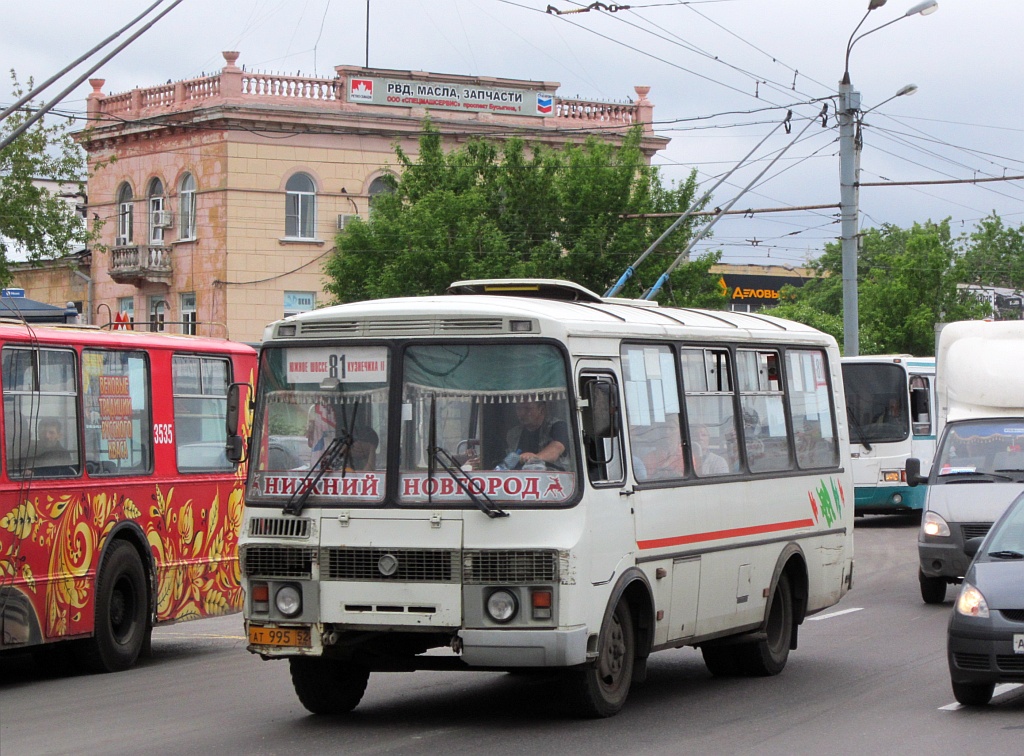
x,y
327,686
600,689
121,624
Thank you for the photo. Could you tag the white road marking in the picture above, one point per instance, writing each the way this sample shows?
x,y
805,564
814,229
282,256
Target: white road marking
x,y
830,615
1000,690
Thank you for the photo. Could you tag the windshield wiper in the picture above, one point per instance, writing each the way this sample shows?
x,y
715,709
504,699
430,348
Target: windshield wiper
x,y
859,428
990,477
334,456
1006,554
464,481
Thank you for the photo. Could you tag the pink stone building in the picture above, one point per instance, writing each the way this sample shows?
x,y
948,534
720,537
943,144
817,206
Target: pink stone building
x,y
221,196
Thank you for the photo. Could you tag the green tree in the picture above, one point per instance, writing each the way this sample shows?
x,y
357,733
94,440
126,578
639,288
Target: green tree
x,y
513,210
33,219
993,255
907,282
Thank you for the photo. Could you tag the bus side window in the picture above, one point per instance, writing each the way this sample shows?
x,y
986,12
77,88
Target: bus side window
x,y
116,402
920,410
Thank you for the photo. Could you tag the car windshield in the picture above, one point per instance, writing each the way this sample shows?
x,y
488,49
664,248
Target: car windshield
x,y
1008,535
982,447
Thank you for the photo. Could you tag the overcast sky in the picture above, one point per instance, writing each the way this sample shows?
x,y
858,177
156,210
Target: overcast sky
x,y
722,74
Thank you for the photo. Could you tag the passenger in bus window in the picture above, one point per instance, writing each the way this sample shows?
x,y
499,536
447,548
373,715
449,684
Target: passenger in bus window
x,y
50,449
705,461
536,438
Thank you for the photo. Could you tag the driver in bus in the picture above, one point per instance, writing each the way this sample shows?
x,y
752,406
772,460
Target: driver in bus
x,y
50,449
538,439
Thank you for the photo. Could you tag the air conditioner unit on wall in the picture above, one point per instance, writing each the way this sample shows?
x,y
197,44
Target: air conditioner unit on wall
x,y
163,218
344,219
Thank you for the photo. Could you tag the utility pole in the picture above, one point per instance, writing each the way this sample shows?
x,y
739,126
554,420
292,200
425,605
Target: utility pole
x,y
849,203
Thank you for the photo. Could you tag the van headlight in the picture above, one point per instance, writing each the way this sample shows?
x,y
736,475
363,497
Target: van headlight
x,y
933,525
288,600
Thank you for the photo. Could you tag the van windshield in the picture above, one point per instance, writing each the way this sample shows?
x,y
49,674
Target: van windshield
x,y
994,447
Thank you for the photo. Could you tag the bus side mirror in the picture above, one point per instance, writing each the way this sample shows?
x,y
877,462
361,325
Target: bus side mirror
x,y
235,447
914,477
602,420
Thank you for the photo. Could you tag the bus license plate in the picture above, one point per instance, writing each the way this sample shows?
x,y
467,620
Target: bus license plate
x,y
280,636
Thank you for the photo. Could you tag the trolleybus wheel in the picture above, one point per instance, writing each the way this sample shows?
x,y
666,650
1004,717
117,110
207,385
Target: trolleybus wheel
x,y
600,689
327,686
933,589
121,607
973,694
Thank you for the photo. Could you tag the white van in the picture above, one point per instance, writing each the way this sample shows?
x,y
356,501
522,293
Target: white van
x,y
979,461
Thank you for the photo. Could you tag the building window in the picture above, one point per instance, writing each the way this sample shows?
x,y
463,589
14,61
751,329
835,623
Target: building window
x,y
300,207
157,215
125,213
157,313
299,301
126,309
189,321
381,185
187,207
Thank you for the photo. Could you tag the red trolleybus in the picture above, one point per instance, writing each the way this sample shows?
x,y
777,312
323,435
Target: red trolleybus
x,y
119,509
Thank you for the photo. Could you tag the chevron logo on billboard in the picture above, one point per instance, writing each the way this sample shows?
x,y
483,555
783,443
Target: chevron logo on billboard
x,y
545,103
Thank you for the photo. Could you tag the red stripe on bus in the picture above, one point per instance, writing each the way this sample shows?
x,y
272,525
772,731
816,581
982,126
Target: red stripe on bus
x,y
718,535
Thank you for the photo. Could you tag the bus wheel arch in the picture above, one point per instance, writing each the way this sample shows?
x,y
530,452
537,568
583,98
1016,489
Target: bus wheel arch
x,y
122,623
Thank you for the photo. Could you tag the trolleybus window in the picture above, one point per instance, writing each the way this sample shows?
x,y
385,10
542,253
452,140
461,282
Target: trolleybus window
x,y
200,407
118,427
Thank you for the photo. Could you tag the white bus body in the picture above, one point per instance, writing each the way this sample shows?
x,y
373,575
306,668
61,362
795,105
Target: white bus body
x,y
589,563
892,411
980,384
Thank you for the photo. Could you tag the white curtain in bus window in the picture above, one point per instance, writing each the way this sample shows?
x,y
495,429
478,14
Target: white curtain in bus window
x,y
200,407
811,409
652,411
118,426
764,416
479,407
41,413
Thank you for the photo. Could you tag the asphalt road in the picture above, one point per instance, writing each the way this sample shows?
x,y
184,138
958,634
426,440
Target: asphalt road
x,y
869,677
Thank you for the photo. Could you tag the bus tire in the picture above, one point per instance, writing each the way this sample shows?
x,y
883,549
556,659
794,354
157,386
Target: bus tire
x,y
769,656
933,589
121,622
600,689
721,661
973,694
327,686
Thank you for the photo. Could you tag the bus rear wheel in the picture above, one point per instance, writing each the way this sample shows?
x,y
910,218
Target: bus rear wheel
x,y
769,656
601,688
327,686
121,623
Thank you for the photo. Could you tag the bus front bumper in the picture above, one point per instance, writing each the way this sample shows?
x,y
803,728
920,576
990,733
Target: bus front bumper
x,y
525,648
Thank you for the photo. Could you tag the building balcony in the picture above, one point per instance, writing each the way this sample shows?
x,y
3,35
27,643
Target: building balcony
x,y
140,265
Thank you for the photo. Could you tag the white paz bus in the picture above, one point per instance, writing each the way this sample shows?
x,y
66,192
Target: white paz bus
x,y
522,474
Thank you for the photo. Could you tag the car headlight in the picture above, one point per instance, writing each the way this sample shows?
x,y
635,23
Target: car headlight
x,y
288,600
502,606
971,602
933,525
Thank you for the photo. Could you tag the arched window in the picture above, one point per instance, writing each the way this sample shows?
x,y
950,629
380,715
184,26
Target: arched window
x,y
381,185
187,207
125,214
158,219
300,207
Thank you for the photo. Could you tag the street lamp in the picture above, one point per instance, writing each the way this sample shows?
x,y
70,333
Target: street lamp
x,y
849,170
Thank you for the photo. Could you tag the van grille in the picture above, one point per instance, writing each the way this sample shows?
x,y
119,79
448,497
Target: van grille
x,y
277,561
509,567
975,529
380,564
1014,615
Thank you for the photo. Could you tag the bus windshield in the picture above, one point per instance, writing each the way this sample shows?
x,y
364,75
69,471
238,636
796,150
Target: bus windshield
x,y
876,400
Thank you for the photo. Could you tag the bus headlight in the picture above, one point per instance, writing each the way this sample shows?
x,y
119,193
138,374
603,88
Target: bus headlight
x,y
933,525
288,600
502,606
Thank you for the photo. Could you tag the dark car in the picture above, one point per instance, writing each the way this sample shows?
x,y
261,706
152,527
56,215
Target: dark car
x,y
986,632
